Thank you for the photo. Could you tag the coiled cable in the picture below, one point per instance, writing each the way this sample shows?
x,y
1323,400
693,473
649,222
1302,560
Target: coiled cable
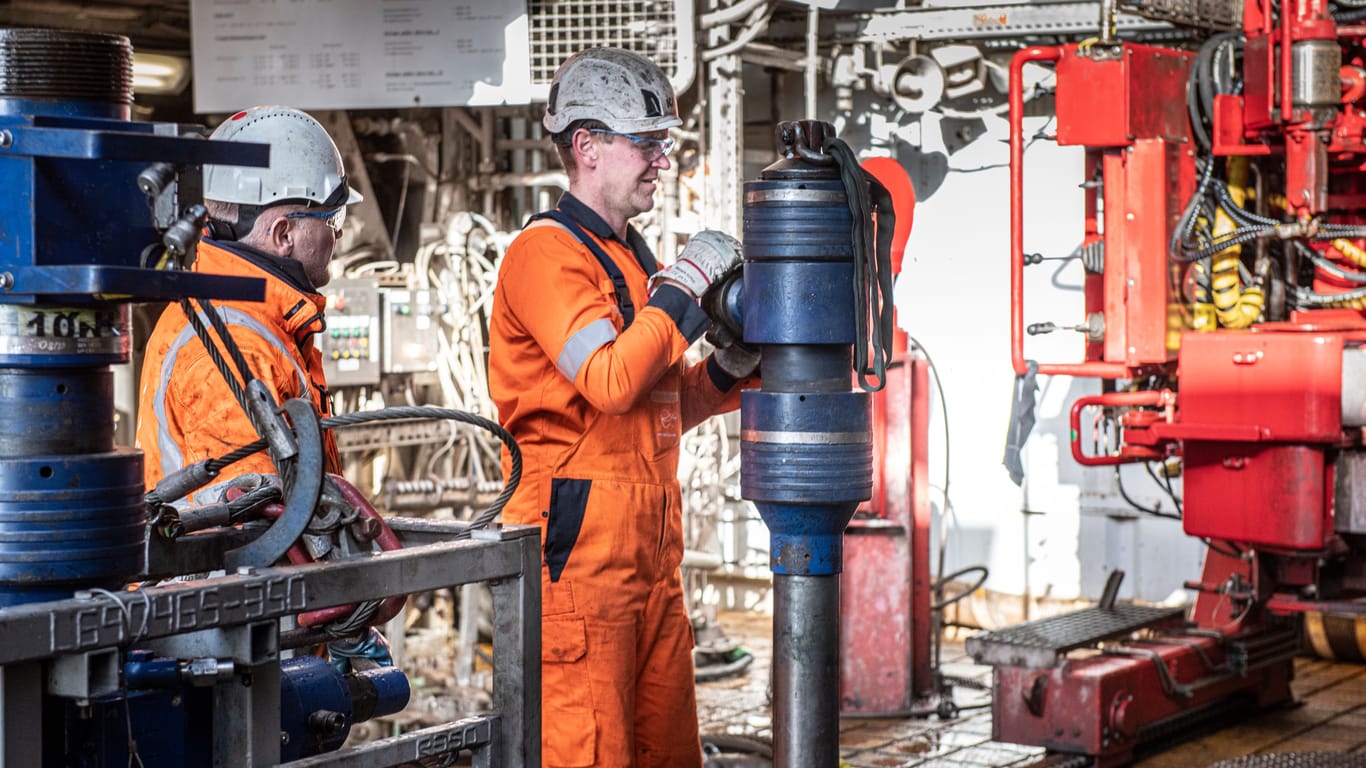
x,y
408,412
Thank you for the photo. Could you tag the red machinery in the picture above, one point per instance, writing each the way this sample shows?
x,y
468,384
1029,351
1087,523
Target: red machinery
x,y
885,592
1225,256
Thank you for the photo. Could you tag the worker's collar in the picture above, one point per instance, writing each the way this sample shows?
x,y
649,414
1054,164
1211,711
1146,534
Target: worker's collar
x,y
591,221
288,270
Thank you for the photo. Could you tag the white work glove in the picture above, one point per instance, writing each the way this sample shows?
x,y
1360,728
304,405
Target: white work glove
x,y
738,360
707,256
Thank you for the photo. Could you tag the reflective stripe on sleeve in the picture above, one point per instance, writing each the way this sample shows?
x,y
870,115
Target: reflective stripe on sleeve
x,y
171,457
582,344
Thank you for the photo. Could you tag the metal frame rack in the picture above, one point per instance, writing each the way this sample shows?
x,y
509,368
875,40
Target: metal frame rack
x,y
71,648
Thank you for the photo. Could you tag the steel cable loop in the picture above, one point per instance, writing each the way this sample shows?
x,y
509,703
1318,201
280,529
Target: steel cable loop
x,y
238,388
873,290
402,412
230,344
355,622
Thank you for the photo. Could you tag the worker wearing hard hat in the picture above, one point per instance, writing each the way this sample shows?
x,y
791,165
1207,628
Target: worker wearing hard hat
x,y
279,224
586,366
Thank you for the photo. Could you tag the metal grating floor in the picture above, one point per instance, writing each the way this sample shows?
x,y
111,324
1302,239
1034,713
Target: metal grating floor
x,y
1329,718
1296,760
1038,643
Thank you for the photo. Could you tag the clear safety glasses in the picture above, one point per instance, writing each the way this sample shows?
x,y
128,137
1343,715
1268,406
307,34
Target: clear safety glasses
x,y
334,217
650,149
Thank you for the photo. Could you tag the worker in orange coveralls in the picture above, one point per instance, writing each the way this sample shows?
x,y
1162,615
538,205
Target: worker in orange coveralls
x,y
587,338
280,224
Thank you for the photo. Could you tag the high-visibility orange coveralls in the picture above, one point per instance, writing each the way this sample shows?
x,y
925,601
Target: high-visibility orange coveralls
x,y
598,410
186,412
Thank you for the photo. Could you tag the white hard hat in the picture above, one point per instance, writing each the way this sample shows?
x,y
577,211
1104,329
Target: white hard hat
x,y
626,91
305,166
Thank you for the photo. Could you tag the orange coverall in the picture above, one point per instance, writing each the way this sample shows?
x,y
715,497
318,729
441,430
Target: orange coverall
x,y
186,411
598,410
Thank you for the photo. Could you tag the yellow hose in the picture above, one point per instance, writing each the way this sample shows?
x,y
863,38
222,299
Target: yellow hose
x,y
1234,305
1357,304
1351,251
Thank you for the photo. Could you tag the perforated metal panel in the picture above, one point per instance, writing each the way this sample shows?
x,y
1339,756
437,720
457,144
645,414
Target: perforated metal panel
x,y
1039,643
1206,14
660,29
1296,760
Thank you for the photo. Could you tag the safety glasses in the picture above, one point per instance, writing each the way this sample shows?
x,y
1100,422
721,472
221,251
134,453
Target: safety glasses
x,y
334,217
650,149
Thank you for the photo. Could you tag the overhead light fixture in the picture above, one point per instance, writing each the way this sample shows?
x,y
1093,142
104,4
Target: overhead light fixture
x,y
159,74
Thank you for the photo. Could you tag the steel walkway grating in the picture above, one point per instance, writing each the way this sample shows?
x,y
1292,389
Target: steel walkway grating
x,y
1038,643
1296,760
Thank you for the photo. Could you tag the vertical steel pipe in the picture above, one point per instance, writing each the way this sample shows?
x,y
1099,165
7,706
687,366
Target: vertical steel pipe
x,y
806,670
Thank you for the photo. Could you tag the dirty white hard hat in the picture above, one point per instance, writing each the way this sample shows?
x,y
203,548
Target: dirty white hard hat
x,y
305,166
624,90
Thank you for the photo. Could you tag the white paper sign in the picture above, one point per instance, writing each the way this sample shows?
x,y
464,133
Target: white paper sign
x,y
359,54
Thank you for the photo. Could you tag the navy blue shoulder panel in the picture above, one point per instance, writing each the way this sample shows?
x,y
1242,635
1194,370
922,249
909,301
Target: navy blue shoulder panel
x,y
623,294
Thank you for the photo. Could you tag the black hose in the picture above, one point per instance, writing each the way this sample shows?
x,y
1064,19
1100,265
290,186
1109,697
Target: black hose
x,y
1329,267
1240,236
982,574
1197,120
1240,214
1119,481
1308,298
404,412
1165,483
1186,224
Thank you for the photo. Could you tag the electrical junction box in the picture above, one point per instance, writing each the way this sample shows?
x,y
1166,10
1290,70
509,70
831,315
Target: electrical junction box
x,y
410,331
351,357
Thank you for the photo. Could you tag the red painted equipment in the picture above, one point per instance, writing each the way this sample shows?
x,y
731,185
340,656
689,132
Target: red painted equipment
x,y
1225,259
885,624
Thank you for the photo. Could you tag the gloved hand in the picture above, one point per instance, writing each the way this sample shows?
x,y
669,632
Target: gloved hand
x,y
738,360
707,256
358,655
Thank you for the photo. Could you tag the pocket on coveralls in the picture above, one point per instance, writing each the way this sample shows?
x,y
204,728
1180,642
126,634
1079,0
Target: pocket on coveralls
x,y
567,716
658,437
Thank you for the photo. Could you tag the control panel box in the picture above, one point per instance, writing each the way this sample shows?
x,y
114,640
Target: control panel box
x,y
351,357
411,327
